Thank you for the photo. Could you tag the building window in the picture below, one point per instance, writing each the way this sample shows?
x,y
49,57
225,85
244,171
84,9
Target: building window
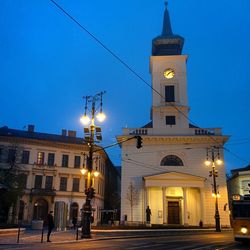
x,y
63,184
170,120
38,181
65,161
51,159
76,182
169,93
24,180
25,157
77,161
40,158
171,160
11,156
49,182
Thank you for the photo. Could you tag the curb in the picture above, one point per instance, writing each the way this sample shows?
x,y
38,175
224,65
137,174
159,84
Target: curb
x,y
102,238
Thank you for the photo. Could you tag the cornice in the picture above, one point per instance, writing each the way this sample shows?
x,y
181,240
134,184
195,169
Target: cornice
x,y
178,139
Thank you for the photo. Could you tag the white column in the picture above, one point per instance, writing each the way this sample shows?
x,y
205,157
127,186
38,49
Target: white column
x,y
202,201
185,219
164,205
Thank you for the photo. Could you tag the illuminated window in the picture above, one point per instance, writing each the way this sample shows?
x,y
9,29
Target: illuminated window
x,y
171,160
40,158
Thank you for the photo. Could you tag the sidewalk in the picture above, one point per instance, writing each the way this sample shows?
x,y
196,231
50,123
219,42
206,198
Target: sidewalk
x,y
28,237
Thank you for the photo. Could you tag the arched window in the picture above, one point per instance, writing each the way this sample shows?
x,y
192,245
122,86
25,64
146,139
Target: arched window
x,y
171,160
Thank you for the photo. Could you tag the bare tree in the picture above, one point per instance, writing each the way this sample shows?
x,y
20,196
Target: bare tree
x,y
132,196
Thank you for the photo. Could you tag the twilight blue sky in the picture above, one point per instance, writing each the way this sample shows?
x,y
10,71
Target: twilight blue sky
x,y
48,63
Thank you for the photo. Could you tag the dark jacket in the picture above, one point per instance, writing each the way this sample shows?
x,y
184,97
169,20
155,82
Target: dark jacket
x,y
50,221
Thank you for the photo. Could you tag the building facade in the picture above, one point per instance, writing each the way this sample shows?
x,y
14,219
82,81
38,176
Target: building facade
x,y
168,173
52,164
239,182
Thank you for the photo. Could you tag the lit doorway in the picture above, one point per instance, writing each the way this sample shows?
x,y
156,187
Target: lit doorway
x,y
173,212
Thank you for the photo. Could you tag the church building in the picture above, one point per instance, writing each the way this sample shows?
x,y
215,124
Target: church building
x,y
168,172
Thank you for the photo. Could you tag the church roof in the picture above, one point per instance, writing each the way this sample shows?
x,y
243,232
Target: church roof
x,y
167,43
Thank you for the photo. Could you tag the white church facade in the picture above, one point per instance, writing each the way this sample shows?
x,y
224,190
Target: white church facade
x,y
168,173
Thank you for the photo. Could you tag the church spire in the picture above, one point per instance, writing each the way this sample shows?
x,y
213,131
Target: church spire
x,y
166,28
167,43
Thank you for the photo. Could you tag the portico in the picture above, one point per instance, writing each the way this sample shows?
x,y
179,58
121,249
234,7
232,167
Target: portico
x,y
175,198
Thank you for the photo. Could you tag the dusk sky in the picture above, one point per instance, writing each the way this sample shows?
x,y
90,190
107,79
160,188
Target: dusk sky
x,y
48,63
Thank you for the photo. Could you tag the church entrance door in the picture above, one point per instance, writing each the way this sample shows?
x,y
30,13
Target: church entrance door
x,y
173,212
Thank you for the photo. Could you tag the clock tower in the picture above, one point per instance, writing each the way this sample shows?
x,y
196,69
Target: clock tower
x,y
168,69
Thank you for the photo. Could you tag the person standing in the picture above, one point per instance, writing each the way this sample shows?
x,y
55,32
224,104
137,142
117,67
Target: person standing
x,y
148,214
51,224
74,222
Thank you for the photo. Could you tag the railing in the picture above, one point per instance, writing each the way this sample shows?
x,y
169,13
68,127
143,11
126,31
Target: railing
x,y
180,131
42,191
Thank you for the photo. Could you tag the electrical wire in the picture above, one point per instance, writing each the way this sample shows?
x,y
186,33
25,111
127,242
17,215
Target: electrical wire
x,y
134,72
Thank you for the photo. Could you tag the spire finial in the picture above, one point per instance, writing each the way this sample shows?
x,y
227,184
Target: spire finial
x,y
166,30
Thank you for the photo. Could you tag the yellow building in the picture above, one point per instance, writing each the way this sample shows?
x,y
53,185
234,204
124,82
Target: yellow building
x,y
52,165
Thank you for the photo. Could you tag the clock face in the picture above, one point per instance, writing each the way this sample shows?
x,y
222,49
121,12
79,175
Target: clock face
x,y
169,73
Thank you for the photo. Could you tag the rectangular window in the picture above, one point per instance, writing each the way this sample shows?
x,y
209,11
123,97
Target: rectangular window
x,y
76,182
169,93
49,182
40,158
65,161
25,157
11,156
38,181
51,159
77,161
170,120
24,178
63,183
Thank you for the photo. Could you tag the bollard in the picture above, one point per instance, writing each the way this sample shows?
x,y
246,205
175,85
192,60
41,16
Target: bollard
x,y
76,232
18,233
42,235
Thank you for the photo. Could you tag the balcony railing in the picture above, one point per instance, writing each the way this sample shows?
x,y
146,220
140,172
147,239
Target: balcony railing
x,y
181,132
43,192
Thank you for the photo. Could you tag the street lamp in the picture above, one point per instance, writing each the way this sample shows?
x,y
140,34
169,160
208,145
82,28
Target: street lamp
x,y
215,160
92,135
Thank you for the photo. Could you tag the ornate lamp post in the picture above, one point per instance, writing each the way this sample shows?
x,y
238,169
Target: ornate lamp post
x,y
212,161
91,133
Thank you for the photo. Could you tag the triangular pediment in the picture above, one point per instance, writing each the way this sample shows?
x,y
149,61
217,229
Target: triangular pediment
x,y
174,175
174,178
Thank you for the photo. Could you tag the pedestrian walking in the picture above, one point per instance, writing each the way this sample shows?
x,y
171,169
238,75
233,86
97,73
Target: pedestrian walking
x,y
51,225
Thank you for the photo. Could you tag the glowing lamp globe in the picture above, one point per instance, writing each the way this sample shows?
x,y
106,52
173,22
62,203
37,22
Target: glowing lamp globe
x,y
96,173
85,119
101,117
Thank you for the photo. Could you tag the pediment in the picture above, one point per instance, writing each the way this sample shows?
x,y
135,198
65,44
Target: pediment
x,y
174,179
174,175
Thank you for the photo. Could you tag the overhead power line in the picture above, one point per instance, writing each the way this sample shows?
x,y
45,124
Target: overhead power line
x,y
131,69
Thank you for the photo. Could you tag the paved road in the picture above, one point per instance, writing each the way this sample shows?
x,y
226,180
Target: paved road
x,y
198,241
